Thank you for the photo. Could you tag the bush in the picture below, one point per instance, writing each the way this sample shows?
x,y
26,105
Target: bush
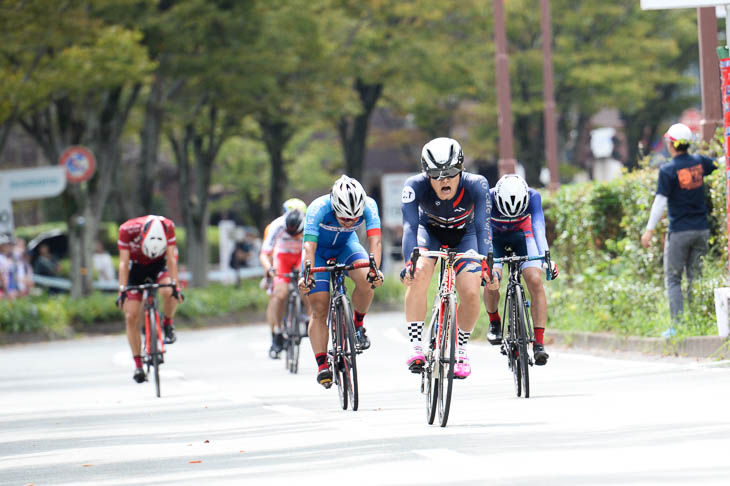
x,y
608,282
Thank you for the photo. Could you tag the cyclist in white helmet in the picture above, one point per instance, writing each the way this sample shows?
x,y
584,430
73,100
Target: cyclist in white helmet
x,y
147,250
329,232
518,223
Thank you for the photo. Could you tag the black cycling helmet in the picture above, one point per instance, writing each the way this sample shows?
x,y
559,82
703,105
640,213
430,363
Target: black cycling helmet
x,y
294,222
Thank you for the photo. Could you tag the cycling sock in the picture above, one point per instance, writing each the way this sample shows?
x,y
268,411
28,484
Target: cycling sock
x,y
463,338
414,331
493,316
539,331
167,321
358,319
138,361
321,361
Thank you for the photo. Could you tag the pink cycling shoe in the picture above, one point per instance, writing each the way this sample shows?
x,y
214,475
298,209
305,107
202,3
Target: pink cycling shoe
x,y
416,360
462,368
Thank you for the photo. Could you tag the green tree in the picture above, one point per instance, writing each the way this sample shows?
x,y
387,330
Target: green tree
x,y
79,86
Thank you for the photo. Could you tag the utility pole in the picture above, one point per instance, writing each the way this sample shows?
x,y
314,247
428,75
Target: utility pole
x,y
709,72
551,130
507,163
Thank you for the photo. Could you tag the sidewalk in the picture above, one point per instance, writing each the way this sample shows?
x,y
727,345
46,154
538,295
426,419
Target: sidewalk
x,y
712,347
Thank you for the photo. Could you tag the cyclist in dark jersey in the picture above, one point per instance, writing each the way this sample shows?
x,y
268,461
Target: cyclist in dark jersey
x,y
518,224
444,206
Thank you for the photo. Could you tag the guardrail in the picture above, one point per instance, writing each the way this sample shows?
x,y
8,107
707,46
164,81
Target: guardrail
x,y
225,276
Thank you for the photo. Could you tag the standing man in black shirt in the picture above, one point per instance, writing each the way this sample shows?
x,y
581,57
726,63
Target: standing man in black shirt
x,y
681,188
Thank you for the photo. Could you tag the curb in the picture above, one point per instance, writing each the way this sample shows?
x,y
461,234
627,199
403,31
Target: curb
x,y
713,347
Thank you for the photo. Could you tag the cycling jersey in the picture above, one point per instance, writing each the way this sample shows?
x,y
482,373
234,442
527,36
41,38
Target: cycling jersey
x,y
461,222
323,228
524,234
279,241
335,241
130,238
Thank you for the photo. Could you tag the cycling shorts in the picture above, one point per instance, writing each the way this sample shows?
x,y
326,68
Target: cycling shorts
x,y
518,243
351,252
284,263
140,274
430,238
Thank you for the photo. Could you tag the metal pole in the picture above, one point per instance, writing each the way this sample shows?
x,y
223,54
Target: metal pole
x,y
551,130
507,161
709,72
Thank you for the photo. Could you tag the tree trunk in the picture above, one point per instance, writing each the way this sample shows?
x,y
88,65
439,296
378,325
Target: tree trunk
x,y
353,131
150,142
54,130
276,134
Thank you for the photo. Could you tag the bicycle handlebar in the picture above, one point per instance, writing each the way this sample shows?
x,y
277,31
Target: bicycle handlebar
x,y
487,261
148,286
525,258
308,269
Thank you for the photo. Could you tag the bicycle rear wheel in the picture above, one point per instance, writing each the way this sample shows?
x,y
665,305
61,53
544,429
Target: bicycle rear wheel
x,y
522,340
287,324
447,359
295,337
433,354
349,352
154,351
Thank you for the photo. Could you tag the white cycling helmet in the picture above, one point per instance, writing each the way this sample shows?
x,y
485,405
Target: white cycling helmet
x,y
511,195
442,158
154,238
348,198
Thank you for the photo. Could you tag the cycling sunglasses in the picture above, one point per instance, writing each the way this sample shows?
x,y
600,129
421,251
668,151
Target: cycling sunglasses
x,y
347,220
445,173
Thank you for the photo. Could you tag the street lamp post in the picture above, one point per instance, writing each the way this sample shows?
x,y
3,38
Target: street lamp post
x,y
507,161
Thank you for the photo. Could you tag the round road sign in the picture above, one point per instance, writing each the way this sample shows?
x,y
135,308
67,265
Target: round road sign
x,y
79,163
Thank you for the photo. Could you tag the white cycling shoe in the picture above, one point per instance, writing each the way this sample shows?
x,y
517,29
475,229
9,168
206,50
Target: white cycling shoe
x,y
462,368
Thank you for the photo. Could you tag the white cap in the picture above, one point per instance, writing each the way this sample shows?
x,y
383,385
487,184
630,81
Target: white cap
x,y
679,132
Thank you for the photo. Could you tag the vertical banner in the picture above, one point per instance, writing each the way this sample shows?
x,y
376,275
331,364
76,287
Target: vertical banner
x,y
725,76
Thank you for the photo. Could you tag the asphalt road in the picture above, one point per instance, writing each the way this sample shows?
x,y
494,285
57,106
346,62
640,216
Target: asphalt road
x,y
71,414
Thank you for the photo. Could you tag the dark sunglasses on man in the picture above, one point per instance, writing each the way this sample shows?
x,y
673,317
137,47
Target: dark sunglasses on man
x,y
445,173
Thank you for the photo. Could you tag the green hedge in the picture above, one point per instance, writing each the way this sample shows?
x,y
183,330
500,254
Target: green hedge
x,y
608,282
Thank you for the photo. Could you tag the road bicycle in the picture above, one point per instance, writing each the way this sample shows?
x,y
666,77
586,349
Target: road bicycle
x,y
294,325
437,375
344,347
154,338
518,333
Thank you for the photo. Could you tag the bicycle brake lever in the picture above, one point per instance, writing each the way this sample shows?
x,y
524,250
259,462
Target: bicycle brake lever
x,y
414,258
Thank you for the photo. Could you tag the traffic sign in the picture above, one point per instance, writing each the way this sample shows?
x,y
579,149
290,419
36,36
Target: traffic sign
x,y
78,162
36,183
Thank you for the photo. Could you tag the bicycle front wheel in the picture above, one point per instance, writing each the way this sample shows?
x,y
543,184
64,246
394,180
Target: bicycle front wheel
x,y
447,359
349,352
295,337
522,340
512,343
154,349
428,377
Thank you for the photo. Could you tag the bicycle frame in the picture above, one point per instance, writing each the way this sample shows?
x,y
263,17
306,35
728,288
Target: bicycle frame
x,y
150,312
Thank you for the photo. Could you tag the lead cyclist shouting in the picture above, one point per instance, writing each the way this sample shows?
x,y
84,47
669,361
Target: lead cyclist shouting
x,y
518,223
444,206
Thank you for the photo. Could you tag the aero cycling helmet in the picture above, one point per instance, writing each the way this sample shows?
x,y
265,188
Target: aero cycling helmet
x,y
154,238
294,203
511,195
294,222
442,158
348,198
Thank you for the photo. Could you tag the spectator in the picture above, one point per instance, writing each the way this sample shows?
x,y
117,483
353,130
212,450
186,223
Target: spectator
x,y
23,269
103,264
5,264
681,188
46,264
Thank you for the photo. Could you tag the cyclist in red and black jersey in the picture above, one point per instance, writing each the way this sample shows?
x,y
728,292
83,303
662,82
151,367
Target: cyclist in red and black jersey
x,y
147,250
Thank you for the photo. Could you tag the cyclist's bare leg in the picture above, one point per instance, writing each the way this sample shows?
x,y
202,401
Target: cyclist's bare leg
x,y
132,310
362,295
168,303
416,293
278,304
318,332
468,286
491,297
533,278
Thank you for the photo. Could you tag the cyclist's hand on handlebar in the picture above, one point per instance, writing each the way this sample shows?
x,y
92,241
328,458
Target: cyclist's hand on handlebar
x,y
177,293
305,286
270,273
553,270
375,278
121,297
405,275
494,284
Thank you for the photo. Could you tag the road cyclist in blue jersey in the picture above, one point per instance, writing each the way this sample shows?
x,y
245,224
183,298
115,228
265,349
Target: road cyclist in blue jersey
x,y
444,206
329,233
518,223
